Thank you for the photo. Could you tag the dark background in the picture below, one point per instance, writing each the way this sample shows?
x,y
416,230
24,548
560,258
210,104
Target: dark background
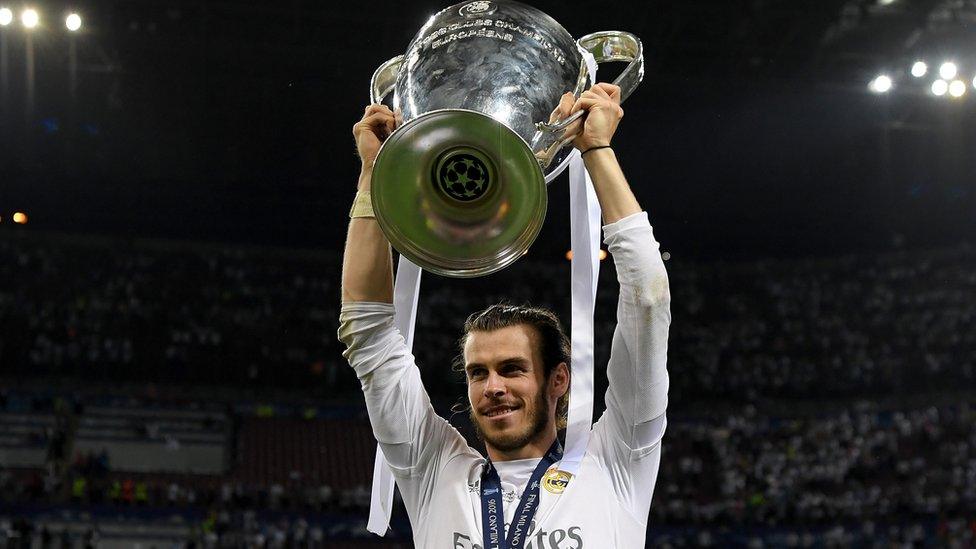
x,y
752,134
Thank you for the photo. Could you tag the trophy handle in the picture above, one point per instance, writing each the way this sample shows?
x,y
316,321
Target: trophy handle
x,y
610,46
607,46
384,79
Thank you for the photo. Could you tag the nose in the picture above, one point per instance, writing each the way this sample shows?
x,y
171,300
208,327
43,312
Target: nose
x,y
494,385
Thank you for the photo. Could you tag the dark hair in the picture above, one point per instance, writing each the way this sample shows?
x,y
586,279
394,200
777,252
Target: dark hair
x,y
553,340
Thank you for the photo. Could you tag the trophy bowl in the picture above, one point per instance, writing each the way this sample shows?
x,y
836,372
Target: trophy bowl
x,y
459,188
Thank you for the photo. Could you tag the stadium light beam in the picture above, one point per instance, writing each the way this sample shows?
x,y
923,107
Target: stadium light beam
x,y
73,22
919,69
948,70
881,84
957,88
30,18
6,17
940,87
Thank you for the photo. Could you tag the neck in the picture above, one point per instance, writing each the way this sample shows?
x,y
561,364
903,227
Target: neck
x,y
533,449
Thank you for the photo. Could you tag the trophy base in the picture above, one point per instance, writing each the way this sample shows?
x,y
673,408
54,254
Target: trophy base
x,y
458,193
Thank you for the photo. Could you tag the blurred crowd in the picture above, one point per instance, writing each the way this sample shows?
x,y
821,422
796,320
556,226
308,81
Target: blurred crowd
x,y
851,331
872,324
853,326
861,466
90,482
862,474
219,512
119,311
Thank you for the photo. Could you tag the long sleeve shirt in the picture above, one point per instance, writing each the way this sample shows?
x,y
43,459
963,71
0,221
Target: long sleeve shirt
x,y
606,504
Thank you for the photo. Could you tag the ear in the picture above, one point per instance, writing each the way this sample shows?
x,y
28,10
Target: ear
x,y
559,381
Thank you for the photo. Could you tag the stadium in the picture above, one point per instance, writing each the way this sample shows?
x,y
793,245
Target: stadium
x,y
175,182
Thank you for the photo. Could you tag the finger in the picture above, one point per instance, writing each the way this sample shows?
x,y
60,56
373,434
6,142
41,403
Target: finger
x,y
374,117
566,104
587,103
563,109
377,119
590,94
375,108
612,91
376,123
575,128
598,91
577,106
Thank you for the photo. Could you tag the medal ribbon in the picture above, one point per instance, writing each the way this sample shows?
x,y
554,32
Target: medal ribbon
x,y
492,516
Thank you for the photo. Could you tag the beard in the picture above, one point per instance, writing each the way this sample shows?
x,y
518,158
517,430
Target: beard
x,y
534,425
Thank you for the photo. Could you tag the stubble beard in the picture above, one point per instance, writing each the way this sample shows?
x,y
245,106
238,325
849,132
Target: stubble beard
x,y
534,425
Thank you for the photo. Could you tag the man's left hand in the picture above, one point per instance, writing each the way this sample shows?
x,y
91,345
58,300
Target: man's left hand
x,y
603,114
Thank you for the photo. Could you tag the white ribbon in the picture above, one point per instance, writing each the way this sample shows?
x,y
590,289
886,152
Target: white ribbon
x,y
405,293
585,266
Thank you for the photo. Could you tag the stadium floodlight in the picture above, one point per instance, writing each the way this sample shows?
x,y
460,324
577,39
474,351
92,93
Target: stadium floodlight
x,y
919,69
73,22
886,2
940,87
957,88
20,218
974,81
881,84
6,17
30,18
948,70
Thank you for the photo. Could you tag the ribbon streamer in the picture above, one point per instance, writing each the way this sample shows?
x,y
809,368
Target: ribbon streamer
x,y
584,222
405,293
585,266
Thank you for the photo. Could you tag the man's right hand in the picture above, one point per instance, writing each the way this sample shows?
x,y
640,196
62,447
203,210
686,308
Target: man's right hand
x,y
376,125
367,268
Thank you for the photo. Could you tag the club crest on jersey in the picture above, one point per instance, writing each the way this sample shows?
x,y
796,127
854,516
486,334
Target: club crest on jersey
x,y
555,481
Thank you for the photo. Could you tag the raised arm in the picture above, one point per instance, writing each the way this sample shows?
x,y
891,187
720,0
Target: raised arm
x,y
638,379
627,437
413,437
367,269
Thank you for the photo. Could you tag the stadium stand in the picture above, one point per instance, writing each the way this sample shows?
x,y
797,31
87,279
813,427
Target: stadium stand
x,y
814,402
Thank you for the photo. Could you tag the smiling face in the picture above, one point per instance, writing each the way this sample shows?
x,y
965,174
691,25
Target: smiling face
x,y
512,402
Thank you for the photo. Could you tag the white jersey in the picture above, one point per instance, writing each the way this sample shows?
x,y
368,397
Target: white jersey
x,y
606,504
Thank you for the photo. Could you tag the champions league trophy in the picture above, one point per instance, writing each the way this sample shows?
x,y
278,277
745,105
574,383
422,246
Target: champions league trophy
x,y
459,188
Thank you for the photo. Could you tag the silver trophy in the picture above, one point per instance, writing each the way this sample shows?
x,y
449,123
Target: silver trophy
x,y
460,187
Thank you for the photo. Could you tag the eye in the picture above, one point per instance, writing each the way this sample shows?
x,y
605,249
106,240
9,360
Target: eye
x,y
513,369
475,373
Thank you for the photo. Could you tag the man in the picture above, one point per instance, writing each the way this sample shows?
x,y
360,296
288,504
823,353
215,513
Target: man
x,y
516,364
